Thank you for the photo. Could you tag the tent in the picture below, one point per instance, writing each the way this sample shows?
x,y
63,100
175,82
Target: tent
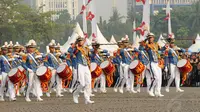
x,y
77,32
161,42
195,47
113,41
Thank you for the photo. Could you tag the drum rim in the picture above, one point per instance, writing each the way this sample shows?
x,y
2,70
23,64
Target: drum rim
x,y
95,66
42,69
62,69
14,73
182,60
104,62
132,63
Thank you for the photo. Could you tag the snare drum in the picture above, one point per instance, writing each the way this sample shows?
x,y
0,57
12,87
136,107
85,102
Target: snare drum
x,y
64,71
107,67
44,73
96,70
184,66
23,71
15,75
136,67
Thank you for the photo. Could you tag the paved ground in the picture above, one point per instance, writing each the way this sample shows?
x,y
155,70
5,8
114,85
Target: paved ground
x,y
189,101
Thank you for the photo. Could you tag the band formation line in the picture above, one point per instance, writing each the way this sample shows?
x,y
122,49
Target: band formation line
x,y
82,69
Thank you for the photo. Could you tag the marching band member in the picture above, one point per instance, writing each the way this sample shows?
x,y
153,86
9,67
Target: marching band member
x,y
83,72
96,58
156,73
173,58
74,66
126,60
52,63
118,60
143,57
6,64
30,64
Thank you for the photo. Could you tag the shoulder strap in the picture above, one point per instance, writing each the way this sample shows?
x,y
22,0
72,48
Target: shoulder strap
x,y
6,61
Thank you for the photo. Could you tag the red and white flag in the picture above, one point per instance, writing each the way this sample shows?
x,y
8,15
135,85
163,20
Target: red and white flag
x,y
143,1
90,16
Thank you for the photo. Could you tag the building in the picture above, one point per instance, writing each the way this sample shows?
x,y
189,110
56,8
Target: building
x,y
55,5
158,4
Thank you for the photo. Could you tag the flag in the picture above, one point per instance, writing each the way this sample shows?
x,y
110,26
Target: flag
x,y
82,9
90,16
167,17
93,35
141,29
85,35
143,1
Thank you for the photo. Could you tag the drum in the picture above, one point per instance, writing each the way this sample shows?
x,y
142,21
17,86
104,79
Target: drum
x,y
107,67
64,71
15,75
136,67
44,73
23,71
96,70
184,66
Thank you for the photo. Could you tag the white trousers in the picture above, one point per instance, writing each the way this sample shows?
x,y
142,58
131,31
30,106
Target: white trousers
x,y
75,78
34,85
156,75
11,88
175,74
128,78
58,80
102,80
144,74
84,81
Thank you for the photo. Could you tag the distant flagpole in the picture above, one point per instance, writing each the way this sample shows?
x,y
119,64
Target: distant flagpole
x,y
146,17
168,12
84,19
134,20
94,21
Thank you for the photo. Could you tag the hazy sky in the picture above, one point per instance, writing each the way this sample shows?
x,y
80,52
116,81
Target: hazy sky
x,y
104,8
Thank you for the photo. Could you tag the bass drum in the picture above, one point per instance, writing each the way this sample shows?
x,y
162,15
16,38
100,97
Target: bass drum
x,y
44,73
107,67
64,71
184,66
136,67
15,75
96,70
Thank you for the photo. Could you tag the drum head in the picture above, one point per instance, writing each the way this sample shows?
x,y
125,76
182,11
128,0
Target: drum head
x,y
21,68
13,72
93,66
181,63
133,64
41,70
104,64
61,68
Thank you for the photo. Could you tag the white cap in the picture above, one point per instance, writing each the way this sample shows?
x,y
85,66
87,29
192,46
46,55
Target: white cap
x,y
17,44
31,43
10,44
52,43
5,45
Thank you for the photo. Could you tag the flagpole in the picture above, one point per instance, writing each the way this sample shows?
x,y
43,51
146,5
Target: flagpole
x,y
134,20
84,19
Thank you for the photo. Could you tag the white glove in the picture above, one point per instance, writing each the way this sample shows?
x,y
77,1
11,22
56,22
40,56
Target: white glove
x,y
166,69
29,70
51,68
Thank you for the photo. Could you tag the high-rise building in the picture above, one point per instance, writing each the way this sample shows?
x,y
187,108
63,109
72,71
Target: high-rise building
x,y
55,5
